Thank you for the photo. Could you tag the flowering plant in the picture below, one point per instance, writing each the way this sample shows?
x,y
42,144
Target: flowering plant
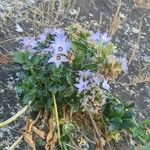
x,y
67,63
68,73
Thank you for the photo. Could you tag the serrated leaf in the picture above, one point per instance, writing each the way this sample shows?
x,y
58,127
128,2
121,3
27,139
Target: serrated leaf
x,y
19,89
68,91
26,67
129,114
118,111
68,128
128,123
56,88
79,46
35,59
21,57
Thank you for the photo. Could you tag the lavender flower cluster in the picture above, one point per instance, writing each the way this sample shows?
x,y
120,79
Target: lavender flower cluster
x,y
59,48
87,80
103,38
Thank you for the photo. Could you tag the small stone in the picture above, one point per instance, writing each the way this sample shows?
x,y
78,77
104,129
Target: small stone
x,y
73,11
91,15
135,30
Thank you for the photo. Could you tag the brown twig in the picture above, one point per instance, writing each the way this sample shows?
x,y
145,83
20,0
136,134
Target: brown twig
x,y
135,50
17,142
115,21
94,124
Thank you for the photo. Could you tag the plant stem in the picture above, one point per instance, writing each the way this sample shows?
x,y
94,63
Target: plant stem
x,y
16,143
13,118
57,118
34,75
32,72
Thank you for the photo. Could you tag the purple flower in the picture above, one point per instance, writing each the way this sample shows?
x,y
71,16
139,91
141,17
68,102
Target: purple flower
x,y
85,74
47,30
95,37
105,38
92,78
99,37
61,46
42,37
58,32
105,85
57,59
49,49
82,86
124,64
28,42
96,80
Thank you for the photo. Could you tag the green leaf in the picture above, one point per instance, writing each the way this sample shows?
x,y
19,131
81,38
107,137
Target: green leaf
x,y
29,96
26,67
75,105
79,46
19,89
56,88
146,122
118,111
26,99
128,123
48,104
146,147
68,91
35,59
68,128
115,124
91,66
129,114
21,57
65,139
116,120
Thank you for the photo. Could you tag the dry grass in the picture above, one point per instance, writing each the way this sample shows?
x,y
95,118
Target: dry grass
x,y
12,9
40,15
49,14
142,77
116,20
5,59
142,4
137,44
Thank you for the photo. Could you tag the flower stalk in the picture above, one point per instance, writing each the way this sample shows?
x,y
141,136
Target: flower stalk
x,y
17,115
57,118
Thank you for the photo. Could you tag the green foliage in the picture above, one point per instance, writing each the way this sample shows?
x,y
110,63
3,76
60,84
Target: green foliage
x,y
119,116
21,57
88,55
146,147
40,80
141,132
67,131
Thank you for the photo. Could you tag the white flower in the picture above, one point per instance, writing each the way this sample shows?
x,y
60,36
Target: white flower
x,y
105,85
57,59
